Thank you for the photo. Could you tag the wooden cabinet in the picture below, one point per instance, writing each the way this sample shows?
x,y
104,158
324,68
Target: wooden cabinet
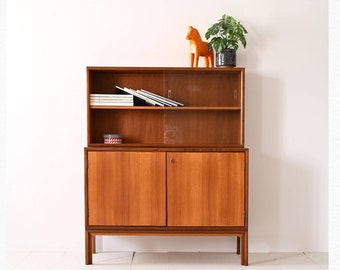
x,y
179,170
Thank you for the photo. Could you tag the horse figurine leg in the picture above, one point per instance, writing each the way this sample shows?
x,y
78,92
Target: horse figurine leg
x,y
211,59
196,59
206,61
192,59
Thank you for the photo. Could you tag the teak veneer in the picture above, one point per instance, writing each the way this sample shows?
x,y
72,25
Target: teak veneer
x,y
179,170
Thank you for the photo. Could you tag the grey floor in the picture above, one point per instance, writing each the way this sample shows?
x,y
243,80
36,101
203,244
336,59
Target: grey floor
x,y
164,261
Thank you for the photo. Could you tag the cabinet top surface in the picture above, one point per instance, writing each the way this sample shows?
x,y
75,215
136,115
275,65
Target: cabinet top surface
x,y
107,68
103,147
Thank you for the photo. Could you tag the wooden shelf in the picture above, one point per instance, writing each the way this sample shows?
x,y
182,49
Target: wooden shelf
x,y
183,108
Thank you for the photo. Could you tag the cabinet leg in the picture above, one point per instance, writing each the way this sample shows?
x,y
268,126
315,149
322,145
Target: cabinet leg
x,y
88,247
93,244
244,252
238,245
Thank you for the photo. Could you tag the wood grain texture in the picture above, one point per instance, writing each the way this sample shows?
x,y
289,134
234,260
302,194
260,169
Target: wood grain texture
x,y
206,189
126,188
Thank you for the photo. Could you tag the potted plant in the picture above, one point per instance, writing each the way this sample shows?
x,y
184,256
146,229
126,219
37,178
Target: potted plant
x,y
224,38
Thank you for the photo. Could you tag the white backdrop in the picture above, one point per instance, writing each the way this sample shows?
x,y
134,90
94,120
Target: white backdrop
x,y
50,43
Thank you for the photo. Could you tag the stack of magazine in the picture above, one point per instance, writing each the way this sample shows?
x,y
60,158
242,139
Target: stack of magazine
x,y
111,100
147,97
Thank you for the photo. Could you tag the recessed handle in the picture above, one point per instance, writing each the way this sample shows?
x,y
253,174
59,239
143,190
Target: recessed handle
x,y
169,93
235,94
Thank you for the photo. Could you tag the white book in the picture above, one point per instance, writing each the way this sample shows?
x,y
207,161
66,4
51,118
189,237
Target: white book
x,y
164,99
166,103
111,97
111,100
111,104
138,95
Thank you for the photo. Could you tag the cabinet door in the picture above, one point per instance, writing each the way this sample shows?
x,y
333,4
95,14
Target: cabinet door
x,y
206,189
126,188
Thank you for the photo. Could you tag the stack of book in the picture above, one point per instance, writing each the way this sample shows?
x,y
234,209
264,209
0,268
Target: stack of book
x,y
111,100
147,97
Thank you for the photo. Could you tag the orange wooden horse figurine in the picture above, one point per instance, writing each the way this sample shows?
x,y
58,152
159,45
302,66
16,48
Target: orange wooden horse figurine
x,y
199,48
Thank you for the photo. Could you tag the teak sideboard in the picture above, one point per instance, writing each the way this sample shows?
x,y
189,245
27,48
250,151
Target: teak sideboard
x,y
179,170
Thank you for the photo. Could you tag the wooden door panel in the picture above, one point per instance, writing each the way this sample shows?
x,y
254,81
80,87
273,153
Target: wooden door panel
x,y
126,188
206,189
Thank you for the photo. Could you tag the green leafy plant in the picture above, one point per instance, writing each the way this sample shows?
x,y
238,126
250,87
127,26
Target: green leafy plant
x,y
226,34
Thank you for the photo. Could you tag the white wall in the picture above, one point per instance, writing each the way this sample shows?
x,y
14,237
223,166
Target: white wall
x,y
334,134
49,45
2,134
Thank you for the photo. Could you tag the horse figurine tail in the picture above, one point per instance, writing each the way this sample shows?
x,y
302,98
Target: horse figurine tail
x,y
199,48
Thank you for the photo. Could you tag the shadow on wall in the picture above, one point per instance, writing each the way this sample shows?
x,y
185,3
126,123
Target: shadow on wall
x,y
263,115
279,189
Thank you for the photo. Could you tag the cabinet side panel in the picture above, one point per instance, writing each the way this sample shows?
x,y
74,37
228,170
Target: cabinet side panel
x,y
126,188
206,189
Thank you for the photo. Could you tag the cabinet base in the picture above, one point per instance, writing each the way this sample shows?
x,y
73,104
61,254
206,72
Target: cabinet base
x,y
241,248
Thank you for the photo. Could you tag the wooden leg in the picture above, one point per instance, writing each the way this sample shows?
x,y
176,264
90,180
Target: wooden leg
x,y
244,252
192,59
206,61
88,248
196,61
238,249
93,243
